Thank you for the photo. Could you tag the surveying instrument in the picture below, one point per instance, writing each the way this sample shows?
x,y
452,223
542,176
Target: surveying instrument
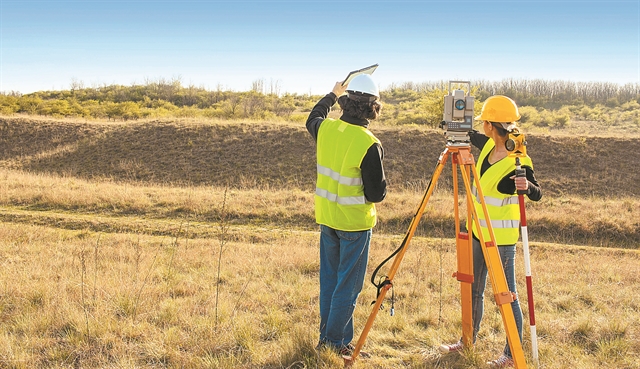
x,y
457,123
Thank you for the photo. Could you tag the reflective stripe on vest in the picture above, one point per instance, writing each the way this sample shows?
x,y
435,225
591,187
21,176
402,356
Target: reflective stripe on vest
x,y
337,177
503,209
494,201
501,223
340,201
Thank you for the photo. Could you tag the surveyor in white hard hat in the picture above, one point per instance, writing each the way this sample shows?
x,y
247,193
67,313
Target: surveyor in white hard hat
x,y
499,185
350,179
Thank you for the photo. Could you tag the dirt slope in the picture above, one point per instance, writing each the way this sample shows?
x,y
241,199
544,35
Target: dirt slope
x,y
249,154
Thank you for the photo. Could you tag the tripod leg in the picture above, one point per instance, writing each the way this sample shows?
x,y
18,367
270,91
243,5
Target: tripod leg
x,y
501,291
465,276
464,254
348,360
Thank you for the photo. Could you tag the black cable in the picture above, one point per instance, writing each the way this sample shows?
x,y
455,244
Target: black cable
x,y
386,281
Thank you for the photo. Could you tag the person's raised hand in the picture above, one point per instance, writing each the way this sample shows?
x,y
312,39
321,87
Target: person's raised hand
x,y
339,89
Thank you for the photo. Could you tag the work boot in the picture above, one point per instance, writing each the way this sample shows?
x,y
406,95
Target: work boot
x,y
347,350
454,347
501,362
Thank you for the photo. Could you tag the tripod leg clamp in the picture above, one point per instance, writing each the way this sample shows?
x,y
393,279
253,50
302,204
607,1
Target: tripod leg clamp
x,y
462,277
505,297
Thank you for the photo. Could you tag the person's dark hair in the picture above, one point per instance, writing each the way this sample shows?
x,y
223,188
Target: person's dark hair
x,y
360,109
501,131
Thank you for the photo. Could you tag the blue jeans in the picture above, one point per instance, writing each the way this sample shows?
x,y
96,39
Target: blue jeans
x,y
507,256
343,264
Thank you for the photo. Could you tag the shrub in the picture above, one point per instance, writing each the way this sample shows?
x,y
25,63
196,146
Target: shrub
x,y
29,104
631,105
612,102
56,108
125,110
187,112
298,118
529,115
95,109
416,118
213,112
8,104
562,117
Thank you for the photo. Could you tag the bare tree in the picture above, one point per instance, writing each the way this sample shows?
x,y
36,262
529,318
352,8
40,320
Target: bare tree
x,y
75,85
274,87
257,86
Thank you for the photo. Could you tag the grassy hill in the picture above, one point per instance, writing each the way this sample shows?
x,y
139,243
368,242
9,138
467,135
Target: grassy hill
x,y
590,185
248,154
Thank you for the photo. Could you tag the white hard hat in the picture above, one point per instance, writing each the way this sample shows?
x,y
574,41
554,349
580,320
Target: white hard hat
x,y
363,84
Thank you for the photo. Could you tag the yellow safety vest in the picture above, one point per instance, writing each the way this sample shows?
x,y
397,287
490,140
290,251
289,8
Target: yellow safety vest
x,y
503,210
339,200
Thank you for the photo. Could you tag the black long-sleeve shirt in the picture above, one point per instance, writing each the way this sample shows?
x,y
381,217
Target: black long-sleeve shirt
x,y
373,178
507,185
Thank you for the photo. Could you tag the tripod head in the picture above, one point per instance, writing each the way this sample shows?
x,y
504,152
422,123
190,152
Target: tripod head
x,y
457,120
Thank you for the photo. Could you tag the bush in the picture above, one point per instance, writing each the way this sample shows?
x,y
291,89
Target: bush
x,y
8,104
56,108
187,112
612,102
545,118
298,118
596,113
29,104
416,118
94,109
213,112
631,105
529,115
125,110
77,110
284,106
562,117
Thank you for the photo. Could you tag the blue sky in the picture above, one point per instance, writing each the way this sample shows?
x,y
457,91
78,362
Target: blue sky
x,y
305,46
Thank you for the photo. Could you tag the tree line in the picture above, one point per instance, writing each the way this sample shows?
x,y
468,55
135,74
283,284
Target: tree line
x,y
543,101
154,99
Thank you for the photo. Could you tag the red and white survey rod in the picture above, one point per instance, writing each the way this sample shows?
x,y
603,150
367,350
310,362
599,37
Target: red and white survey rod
x,y
527,265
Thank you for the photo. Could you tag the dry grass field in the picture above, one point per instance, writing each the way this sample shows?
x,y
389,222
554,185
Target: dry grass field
x,y
187,244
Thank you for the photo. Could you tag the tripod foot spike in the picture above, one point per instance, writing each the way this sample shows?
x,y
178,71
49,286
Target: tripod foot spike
x,y
348,361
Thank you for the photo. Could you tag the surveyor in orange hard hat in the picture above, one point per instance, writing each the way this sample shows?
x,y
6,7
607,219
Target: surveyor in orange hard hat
x,y
496,168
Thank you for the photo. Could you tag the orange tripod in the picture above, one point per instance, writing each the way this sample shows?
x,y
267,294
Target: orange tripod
x,y
460,156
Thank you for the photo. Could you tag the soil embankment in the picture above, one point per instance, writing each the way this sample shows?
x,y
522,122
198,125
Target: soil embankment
x,y
282,155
